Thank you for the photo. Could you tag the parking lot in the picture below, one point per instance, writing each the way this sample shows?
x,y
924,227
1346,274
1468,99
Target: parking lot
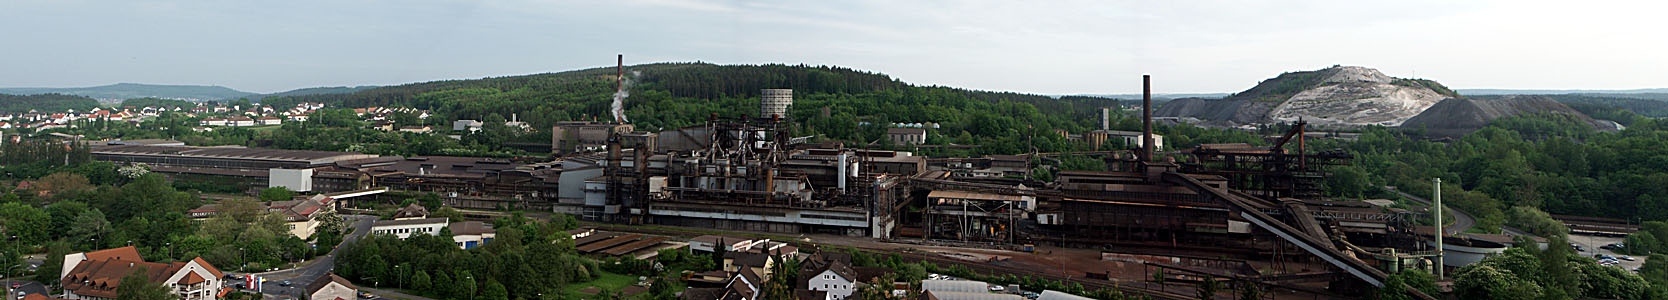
x,y
1591,246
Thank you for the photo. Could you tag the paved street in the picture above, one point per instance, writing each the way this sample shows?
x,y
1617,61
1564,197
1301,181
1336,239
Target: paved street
x,y
1462,220
389,294
24,286
312,270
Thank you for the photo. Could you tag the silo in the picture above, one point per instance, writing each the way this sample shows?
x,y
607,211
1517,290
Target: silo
x,y
774,102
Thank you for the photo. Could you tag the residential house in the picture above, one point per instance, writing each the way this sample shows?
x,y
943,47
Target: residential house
x,y
744,285
97,275
835,278
304,216
412,211
298,117
332,287
471,234
832,273
758,263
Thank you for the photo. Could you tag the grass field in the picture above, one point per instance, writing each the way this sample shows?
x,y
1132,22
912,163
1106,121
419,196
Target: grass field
x,y
608,282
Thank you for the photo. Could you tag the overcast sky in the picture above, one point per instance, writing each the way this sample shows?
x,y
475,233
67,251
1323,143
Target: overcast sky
x,y
1025,46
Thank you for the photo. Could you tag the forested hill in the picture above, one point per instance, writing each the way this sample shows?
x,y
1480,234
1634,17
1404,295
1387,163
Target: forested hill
x,y
671,95
136,90
45,103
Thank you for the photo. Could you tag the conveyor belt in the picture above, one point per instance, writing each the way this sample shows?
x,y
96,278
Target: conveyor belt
x,y
1319,248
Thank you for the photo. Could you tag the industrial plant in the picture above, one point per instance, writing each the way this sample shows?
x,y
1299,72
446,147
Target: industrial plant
x,y
1238,212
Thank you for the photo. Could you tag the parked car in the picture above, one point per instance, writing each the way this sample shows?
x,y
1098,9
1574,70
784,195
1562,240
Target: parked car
x,y
1627,258
997,288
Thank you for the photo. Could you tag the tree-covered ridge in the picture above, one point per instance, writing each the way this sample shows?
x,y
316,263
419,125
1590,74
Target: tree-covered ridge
x,y
1284,86
1429,84
1552,162
1600,105
138,90
45,103
157,102
674,95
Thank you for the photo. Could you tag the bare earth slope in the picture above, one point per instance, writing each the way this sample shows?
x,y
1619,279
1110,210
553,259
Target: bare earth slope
x,y
1336,96
1457,116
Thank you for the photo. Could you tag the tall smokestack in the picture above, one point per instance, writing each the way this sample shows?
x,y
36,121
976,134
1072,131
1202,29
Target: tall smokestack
x,y
618,107
1146,117
619,71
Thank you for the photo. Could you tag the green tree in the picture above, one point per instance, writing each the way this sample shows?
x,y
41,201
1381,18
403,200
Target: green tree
x,y
1557,272
62,182
465,286
276,193
1605,282
1208,287
1487,282
137,286
29,224
90,225
1655,269
494,291
1420,280
54,264
420,282
443,285
1641,243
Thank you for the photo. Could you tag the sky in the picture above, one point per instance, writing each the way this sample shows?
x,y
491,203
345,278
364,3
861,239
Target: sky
x,y
1044,47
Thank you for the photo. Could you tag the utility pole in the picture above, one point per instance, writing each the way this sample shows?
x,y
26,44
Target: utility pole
x,y
1436,197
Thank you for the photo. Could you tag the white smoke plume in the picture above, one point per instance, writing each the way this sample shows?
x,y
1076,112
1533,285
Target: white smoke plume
x,y
619,98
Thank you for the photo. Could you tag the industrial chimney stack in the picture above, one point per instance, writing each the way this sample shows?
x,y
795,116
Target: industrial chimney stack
x,y
1146,117
619,73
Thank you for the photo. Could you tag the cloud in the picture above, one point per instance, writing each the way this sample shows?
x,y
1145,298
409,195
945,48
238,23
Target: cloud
x,y
1041,47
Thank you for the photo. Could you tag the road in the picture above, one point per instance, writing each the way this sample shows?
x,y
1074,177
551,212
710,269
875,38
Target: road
x,y
24,286
390,294
1462,221
312,270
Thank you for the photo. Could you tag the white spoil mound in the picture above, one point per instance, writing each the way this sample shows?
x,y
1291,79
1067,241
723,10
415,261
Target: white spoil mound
x,y
1357,96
